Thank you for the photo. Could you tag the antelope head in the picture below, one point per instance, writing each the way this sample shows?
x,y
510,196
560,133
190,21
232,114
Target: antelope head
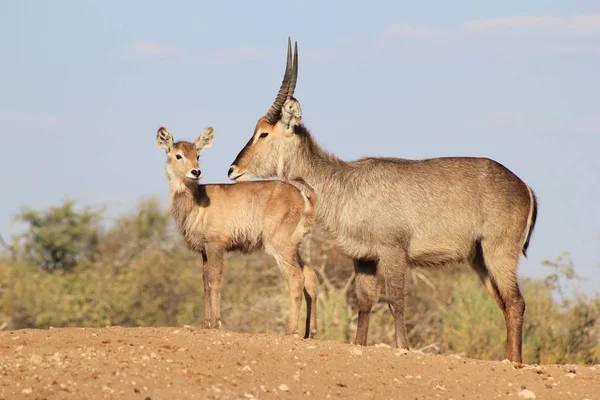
x,y
183,157
274,134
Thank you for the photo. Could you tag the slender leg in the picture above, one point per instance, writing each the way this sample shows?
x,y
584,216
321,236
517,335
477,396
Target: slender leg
x,y
489,283
393,268
500,261
366,292
288,264
213,281
207,288
310,296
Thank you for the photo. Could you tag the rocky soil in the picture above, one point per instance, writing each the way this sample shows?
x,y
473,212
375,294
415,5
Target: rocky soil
x,y
191,363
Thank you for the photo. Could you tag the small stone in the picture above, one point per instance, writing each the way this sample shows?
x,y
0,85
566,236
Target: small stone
x,y
153,355
19,348
248,395
401,352
57,357
247,368
570,375
355,351
35,359
27,391
526,394
384,345
284,388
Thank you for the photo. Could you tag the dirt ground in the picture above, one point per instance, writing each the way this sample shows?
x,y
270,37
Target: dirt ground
x,y
191,363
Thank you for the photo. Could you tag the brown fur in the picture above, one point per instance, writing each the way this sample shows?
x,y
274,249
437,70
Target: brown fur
x,y
213,219
390,214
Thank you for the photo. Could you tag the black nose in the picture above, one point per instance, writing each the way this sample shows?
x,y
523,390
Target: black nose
x,y
196,172
230,171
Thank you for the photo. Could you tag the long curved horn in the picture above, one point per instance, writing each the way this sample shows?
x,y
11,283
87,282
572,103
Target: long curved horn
x,y
294,76
273,114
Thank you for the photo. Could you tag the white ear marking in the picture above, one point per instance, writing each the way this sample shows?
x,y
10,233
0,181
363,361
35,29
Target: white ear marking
x,y
291,114
204,141
164,139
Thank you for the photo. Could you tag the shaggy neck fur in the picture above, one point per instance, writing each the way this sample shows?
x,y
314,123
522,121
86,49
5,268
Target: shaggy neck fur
x,y
185,198
327,174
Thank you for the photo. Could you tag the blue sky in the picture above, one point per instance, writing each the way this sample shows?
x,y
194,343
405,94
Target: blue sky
x,y
85,85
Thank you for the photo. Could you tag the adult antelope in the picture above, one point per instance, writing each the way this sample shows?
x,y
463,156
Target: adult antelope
x,y
212,219
390,214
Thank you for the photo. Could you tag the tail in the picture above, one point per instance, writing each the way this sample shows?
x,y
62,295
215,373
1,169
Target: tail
x,y
308,195
530,220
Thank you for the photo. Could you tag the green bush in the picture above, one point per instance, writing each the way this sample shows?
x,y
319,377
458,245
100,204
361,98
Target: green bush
x,y
60,237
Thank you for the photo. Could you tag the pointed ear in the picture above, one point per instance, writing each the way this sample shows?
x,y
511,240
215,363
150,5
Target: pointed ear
x,y
291,114
164,139
205,139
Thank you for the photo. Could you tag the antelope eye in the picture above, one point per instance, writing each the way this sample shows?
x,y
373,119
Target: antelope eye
x,y
178,156
264,135
197,157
